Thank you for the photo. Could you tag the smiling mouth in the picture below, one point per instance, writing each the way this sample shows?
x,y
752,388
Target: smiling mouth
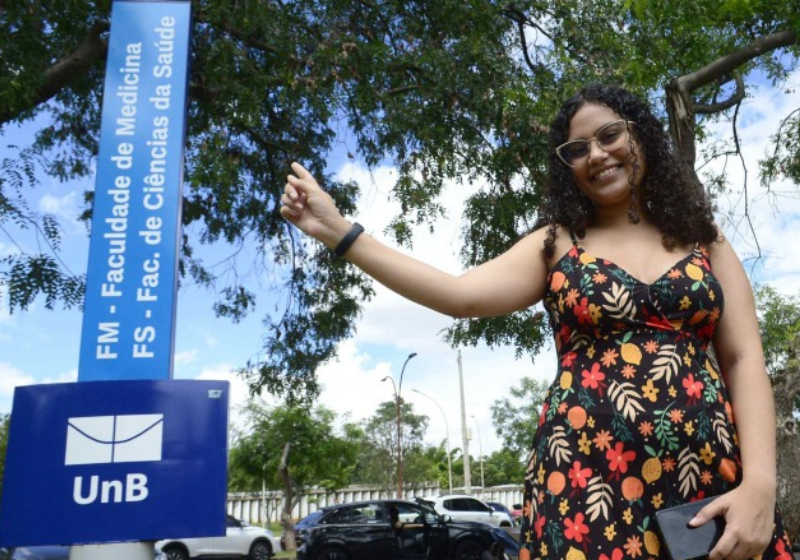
x,y
607,172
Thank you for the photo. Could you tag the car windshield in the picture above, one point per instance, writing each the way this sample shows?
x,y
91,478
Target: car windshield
x,y
309,519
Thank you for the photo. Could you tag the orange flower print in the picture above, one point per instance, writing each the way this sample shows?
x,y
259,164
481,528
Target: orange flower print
x,y
674,274
603,440
633,547
618,458
676,416
628,371
668,464
572,297
651,346
713,317
694,388
609,357
646,428
575,529
599,277
616,554
706,477
578,475
594,379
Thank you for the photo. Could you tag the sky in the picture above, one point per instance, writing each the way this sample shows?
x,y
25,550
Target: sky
x,y
42,346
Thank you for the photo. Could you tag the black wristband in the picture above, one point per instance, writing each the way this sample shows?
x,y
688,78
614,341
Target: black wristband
x,y
348,239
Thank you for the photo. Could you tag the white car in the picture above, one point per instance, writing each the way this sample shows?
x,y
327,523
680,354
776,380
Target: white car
x,y
468,508
241,539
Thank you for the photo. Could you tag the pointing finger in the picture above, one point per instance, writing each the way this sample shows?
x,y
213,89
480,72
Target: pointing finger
x,y
301,171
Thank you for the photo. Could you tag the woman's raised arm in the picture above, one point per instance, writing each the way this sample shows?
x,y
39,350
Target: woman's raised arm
x,y
513,281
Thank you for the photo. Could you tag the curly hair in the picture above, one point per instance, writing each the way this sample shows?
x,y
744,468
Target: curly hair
x,y
675,203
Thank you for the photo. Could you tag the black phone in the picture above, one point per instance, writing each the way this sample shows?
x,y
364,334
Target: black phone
x,y
684,542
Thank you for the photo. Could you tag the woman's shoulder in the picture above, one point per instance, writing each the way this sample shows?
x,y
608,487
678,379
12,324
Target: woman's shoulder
x,y
556,237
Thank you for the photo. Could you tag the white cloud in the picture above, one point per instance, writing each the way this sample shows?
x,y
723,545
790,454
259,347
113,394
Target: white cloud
x,y
12,377
65,208
775,212
185,357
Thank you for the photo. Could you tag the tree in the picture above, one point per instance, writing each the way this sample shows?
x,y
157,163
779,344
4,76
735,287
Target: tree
x,y
516,419
377,461
503,467
290,448
779,323
443,90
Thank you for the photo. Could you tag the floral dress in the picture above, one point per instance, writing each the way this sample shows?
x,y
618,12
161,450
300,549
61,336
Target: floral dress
x,y
638,417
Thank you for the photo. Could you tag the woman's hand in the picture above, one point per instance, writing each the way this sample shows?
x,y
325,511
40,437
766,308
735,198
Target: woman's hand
x,y
311,209
749,514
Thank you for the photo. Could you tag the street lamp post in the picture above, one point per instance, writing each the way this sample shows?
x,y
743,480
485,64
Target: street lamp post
x,y
447,433
480,453
397,389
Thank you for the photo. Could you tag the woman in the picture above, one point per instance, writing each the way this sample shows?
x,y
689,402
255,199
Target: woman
x,y
638,417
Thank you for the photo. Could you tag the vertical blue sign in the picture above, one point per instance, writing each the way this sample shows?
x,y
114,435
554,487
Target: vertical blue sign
x,y
128,325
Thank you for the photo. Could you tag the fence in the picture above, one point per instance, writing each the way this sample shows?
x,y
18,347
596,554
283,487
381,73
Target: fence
x,y
260,507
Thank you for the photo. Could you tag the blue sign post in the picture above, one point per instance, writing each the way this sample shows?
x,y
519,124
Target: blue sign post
x,y
128,327
127,454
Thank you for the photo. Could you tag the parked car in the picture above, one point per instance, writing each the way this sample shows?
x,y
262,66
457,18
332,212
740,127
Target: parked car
x,y
398,530
468,508
241,540
308,520
497,506
42,553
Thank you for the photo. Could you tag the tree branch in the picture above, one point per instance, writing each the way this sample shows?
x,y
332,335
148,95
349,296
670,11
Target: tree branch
x,y
728,63
67,70
736,98
681,108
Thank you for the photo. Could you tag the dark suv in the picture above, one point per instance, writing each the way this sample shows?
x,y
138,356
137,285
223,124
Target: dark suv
x,y
399,530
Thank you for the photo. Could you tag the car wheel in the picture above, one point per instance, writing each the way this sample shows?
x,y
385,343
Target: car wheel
x,y
332,553
469,550
176,553
261,550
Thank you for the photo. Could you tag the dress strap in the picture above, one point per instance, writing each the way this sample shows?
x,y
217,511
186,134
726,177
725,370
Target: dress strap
x,y
573,237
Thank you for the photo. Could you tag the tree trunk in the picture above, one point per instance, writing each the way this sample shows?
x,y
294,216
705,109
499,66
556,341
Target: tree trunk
x,y
288,498
786,386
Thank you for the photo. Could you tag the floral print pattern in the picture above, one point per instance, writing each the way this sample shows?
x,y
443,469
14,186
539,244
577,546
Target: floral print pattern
x,y
638,417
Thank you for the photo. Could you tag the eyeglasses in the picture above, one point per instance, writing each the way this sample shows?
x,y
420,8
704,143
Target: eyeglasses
x,y
609,137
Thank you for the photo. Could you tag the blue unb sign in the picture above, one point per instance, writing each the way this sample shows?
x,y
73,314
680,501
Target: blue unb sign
x,y
114,461
133,254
